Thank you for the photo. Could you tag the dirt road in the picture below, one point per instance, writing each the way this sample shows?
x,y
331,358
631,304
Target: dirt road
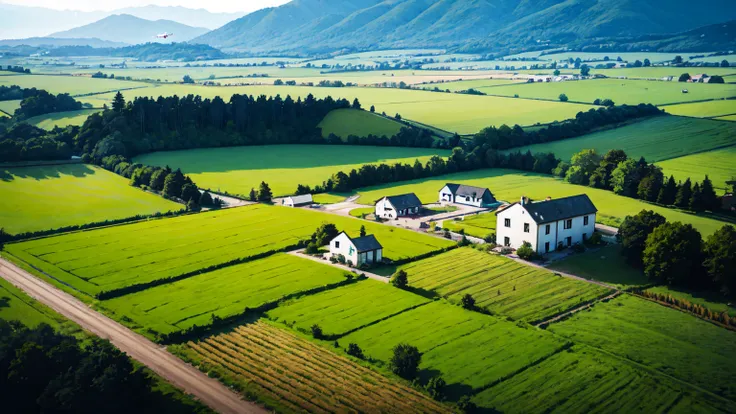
x,y
155,357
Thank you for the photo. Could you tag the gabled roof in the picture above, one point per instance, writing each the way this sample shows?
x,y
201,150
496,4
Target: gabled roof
x,y
301,199
560,208
366,243
404,201
469,191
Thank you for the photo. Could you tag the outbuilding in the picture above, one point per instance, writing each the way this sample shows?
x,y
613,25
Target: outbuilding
x,y
394,207
358,251
466,195
298,201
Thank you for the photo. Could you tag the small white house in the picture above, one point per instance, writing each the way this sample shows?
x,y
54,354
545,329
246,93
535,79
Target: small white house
x,y
357,251
466,195
297,201
398,206
546,225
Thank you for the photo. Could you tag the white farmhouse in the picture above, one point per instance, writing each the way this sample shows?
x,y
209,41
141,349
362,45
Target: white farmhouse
x,y
398,206
297,201
358,251
466,195
546,225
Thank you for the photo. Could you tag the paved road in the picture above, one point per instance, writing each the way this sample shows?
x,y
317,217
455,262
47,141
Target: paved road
x,y
155,357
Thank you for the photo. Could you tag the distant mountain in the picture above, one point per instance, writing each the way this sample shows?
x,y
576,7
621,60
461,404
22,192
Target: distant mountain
x,y
51,42
183,15
317,26
132,30
720,37
148,52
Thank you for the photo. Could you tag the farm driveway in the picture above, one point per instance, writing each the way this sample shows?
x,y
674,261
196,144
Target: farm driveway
x,y
155,357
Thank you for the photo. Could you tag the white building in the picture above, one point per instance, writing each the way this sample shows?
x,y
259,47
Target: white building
x,y
297,201
546,225
466,195
358,251
398,206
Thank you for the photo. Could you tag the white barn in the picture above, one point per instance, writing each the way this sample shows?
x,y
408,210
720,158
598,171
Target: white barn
x,y
546,225
466,195
398,206
297,201
357,251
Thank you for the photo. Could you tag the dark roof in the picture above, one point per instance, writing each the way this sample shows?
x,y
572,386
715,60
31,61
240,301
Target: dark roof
x,y
560,208
469,190
404,201
366,243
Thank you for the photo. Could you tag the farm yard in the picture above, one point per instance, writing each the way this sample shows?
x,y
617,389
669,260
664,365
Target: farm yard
x,y
76,193
500,285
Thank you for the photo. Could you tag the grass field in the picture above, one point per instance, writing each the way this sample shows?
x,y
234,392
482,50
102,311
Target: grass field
x,y
237,170
479,225
39,198
730,118
510,185
9,107
470,84
225,292
656,139
696,351
621,91
714,301
342,310
61,119
346,122
582,380
604,265
719,165
498,284
294,375
707,109
661,72
73,85
15,305
116,257
470,350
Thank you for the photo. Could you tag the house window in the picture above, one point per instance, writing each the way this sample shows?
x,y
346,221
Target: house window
x,y
507,222
585,221
467,198
526,227
569,241
506,241
337,244
568,224
547,229
546,247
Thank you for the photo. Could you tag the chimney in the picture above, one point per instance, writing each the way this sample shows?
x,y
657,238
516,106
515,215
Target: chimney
x,y
524,200
548,198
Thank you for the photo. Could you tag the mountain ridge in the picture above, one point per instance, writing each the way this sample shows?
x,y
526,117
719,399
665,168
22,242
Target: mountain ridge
x,y
129,29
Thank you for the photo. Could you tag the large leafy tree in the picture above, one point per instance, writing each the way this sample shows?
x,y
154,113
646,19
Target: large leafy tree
x,y
405,361
674,255
634,231
720,259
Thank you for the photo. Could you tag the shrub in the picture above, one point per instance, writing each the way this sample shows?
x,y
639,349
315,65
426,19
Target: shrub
x,y
525,251
405,361
312,248
316,331
563,97
468,301
466,405
354,350
436,387
491,238
506,250
464,242
595,240
400,279
578,248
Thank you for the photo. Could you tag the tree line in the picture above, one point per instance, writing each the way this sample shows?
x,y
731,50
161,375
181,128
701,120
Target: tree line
x,y
16,69
23,142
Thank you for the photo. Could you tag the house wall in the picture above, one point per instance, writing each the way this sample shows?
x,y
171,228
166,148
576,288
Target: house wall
x,y
537,235
288,202
577,231
384,209
515,233
445,195
344,246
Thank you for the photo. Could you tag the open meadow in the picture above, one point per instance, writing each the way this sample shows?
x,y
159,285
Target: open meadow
x,y
476,84
73,85
295,375
346,122
61,119
707,109
46,197
237,170
479,225
9,107
511,185
345,309
157,250
15,305
660,72
719,165
696,351
500,285
604,265
713,301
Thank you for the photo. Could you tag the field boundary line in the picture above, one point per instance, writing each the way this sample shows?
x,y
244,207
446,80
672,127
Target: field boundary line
x,y
720,147
668,305
346,333
698,101
544,323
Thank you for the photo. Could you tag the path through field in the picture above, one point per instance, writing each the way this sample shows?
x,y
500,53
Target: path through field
x,y
174,370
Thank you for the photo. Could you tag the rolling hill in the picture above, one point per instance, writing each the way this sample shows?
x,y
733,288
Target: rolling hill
x,y
132,30
328,25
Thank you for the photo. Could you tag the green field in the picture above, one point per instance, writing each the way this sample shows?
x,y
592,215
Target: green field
x,y
40,198
719,165
346,122
17,306
479,225
470,84
225,292
707,109
656,139
631,92
116,257
238,169
73,85
61,119
345,309
654,57
500,285
671,342
582,380
709,300
9,107
660,72
730,118
511,185
470,350
604,265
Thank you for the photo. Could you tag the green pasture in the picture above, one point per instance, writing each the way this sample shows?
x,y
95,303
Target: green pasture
x,y
671,342
61,119
500,285
485,64
360,212
346,122
238,169
15,305
654,57
465,114
46,197
511,185
345,309
714,301
223,293
622,91
479,225
470,84
115,257
731,118
707,109
470,350
656,139
73,85
604,264
719,165
582,380
9,107
659,72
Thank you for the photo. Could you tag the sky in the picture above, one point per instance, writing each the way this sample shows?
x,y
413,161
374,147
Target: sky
x,y
92,5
